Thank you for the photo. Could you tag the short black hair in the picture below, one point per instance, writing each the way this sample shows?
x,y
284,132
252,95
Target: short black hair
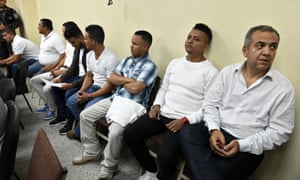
x,y
71,30
146,36
9,30
47,23
204,28
96,33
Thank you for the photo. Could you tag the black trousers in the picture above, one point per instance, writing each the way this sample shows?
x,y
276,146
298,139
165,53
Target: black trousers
x,y
169,151
205,164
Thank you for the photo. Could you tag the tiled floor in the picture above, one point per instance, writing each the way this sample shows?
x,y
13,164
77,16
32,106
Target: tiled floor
x,y
66,149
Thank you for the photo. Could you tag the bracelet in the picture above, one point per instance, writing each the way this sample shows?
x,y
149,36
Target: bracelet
x,y
185,120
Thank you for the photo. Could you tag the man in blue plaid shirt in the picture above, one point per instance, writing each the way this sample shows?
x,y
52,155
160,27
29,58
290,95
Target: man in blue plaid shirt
x,y
132,79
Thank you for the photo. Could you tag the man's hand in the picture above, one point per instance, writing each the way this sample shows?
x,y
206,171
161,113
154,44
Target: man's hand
x,y
57,80
57,72
154,112
175,125
217,142
2,62
231,149
217,145
82,97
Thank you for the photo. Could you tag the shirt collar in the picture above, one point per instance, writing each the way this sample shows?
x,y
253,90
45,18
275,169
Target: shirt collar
x,y
49,35
146,56
268,75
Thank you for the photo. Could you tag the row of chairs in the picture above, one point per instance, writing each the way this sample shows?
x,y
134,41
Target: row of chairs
x,y
44,163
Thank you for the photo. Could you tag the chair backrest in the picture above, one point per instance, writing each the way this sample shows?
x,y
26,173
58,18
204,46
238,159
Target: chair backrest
x,y
44,163
10,141
7,89
3,120
154,91
20,77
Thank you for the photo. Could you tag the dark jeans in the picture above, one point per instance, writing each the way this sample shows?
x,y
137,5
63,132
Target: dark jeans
x,y
205,164
60,98
32,68
169,151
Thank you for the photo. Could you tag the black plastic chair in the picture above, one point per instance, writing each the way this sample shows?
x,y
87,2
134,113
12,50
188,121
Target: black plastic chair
x,y
7,89
20,80
10,142
8,92
3,120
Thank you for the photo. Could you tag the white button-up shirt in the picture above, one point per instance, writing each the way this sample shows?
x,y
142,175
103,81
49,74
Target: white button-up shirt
x,y
261,116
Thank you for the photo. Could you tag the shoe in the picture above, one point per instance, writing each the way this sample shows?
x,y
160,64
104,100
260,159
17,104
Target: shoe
x,y
148,176
57,121
44,109
67,127
49,115
71,135
81,159
106,173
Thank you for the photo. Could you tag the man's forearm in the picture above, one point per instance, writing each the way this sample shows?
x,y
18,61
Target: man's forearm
x,y
118,80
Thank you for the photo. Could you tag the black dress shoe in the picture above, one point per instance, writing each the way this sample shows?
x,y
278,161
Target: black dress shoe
x,y
67,127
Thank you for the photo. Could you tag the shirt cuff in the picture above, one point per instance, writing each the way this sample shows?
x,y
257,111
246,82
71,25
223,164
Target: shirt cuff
x,y
244,145
212,125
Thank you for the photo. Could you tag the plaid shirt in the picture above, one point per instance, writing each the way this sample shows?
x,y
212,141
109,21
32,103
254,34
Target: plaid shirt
x,y
142,69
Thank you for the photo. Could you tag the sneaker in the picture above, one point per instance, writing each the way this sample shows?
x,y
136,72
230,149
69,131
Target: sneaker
x,y
67,127
44,109
106,173
83,158
148,176
57,121
49,115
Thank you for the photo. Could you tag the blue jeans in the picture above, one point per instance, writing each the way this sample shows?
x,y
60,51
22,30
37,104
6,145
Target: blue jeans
x,y
76,108
32,68
205,164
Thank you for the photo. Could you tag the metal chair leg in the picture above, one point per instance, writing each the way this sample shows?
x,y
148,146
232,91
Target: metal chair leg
x,y
29,106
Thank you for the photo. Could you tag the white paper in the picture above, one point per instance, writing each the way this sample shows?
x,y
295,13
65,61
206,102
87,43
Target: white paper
x,y
52,83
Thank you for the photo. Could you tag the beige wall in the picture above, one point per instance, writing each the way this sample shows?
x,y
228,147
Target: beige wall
x,y
170,20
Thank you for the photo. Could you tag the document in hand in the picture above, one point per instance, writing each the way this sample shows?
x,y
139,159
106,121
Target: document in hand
x,y
52,83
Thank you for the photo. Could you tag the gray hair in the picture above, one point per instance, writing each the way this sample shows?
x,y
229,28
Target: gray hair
x,y
263,28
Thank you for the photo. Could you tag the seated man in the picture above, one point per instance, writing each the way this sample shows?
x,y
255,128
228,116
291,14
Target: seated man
x,y
22,49
133,79
181,94
248,109
100,63
9,18
51,58
52,47
73,77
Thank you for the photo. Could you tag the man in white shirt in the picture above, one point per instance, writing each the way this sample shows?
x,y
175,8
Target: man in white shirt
x,y
51,57
181,94
22,49
250,108
52,48
100,62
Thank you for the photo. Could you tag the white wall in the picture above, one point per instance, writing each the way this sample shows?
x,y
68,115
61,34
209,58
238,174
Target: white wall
x,y
169,21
